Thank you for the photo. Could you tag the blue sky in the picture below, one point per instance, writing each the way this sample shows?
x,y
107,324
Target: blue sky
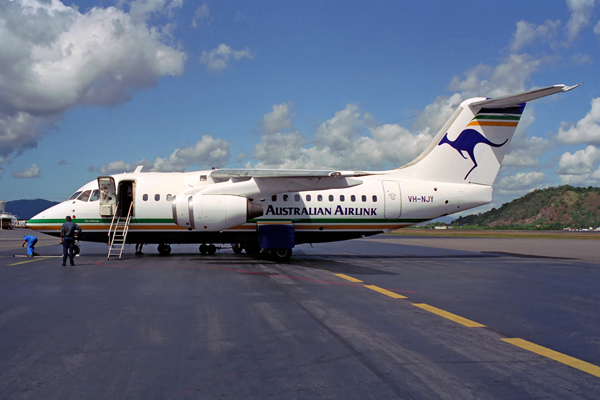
x,y
98,87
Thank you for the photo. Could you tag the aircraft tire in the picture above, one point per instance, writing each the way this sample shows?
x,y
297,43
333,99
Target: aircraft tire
x,y
237,248
203,249
281,254
164,249
212,249
76,249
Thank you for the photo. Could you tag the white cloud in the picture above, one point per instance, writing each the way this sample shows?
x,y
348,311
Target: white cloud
x,y
340,142
201,14
218,59
581,10
279,119
580,59
207,152
116,167
582,162
506,78
587,129
527,33
53,59
597,28
32,172
142,10
520,181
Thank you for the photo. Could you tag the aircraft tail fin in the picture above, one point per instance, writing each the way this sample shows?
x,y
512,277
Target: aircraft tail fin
x,y
470,147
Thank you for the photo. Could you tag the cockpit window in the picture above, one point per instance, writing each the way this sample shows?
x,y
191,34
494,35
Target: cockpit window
x,y
95,195
84,196
74,195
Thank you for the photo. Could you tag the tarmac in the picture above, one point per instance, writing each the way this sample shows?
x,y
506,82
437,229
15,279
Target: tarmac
x,y
381,317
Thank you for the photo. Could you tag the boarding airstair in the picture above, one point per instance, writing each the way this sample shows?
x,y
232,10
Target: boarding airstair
x,y
117,232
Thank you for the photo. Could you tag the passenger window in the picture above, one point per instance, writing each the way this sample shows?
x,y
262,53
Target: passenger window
x,y
156,197
296,197
84,196
353,198
169,197
95,195
145,197
308,197
274,197
319,198
342,197
286,197
330,197
202,178
364,198
74,195
374,199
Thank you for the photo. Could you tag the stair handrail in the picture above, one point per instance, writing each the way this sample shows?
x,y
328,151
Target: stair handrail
x,y
112,222
126,228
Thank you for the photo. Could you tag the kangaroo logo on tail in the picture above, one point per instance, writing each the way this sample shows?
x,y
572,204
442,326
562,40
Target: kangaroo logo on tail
x,y
466,141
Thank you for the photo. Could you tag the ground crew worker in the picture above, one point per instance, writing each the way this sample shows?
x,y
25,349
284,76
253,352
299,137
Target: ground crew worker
x,y
67,239
31,241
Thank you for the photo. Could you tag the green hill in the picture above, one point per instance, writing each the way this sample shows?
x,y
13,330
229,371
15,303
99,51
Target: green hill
x,y
551,208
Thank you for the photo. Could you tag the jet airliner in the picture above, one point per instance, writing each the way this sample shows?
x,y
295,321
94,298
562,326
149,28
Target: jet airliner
x,y
275,209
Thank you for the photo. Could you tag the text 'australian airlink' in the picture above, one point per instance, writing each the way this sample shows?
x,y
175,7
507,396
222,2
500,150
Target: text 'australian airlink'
x,y
339,210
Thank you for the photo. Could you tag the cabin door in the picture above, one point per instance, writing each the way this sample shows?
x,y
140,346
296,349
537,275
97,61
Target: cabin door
x,y
125,196
392,198
108,196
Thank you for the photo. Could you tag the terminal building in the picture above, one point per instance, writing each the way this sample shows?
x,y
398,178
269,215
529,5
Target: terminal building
x,y
7,220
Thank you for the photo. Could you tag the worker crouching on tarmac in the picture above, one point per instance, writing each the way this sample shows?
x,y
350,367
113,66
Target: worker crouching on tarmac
x,y
30,240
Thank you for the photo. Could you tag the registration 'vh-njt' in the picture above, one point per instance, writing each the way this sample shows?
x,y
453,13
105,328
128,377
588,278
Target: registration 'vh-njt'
x,y
274,210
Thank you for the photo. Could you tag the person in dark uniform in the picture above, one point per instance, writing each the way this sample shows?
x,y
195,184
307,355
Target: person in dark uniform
x,y
67,239
31,241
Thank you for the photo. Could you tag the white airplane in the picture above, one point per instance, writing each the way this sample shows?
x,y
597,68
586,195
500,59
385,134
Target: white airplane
x,y
275,210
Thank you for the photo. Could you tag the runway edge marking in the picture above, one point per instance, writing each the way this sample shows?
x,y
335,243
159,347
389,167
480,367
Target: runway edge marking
x,y
450,316
556,356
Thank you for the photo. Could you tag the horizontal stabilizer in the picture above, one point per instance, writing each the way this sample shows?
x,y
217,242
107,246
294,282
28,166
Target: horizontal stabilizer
x,y
513,100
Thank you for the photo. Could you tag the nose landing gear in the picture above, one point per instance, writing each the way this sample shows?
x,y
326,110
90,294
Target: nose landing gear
x,y
164,249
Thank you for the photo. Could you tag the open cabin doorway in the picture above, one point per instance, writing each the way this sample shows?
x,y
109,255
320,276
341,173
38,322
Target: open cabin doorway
x,y
125,195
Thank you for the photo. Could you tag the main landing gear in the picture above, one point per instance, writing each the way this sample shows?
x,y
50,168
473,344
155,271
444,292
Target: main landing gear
x,y
280,255
210,249
164,249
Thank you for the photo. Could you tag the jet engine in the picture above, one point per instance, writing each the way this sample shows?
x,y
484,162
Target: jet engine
x,y
206,212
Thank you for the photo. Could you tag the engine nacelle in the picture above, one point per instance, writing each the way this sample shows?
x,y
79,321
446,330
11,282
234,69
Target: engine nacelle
x,y
213,212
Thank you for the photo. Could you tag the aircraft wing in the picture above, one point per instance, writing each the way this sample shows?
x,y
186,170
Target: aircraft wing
x,y
284,173
515,99
263,183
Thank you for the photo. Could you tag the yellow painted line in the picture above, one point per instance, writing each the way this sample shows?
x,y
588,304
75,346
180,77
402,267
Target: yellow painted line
x,y
348,278
28,261
556,356
386,292
450,316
